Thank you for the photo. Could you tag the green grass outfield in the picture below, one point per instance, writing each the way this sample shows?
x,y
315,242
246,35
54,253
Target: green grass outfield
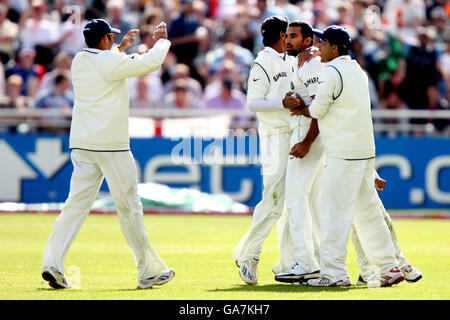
x,y
199,248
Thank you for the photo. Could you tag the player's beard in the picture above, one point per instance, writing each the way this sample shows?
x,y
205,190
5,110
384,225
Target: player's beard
x,y
293,52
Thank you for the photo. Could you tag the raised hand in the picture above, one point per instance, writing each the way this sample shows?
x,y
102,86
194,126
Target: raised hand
x,y
307,55
128,39
160,31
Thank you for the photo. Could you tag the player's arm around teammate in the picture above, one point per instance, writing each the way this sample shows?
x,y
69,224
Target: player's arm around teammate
x,y
268,81
342,106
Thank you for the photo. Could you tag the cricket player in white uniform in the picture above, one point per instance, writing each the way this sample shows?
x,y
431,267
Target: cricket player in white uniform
x,y
269,80
342,107
304,167
100,148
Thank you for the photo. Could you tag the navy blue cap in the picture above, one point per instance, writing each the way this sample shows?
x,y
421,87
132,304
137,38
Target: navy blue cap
x,y
335,35
97,28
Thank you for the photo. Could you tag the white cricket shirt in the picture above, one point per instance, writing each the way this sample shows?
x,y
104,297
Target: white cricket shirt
x,y
101,107
342,107
305,81
268,82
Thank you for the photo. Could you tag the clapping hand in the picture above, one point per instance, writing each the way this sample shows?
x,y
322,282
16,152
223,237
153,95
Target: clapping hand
x,y
128,39
160,31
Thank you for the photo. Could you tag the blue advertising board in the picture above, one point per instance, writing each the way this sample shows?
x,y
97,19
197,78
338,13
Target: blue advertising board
x,y
37,168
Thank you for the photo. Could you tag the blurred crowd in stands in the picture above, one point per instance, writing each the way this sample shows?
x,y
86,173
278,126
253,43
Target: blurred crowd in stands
x,y
404,45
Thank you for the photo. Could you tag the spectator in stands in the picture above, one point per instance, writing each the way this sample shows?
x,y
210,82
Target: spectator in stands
x,y
321,19
61,62
146,35
115,11
181,71
59,97
443,66
38,31
264,10
359,14
182,33
227,98
291,11
2,81
441,23
151,16
404,17
228,70
71,31
180,97
231,99
345,15
434,102
242,57
421,72
146,91
8,34
237,23
392,100
13,98
29,71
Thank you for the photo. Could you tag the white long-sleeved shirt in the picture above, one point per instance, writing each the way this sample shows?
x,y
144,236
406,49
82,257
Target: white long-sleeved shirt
x,y
101,107
342,107
268,82
305,81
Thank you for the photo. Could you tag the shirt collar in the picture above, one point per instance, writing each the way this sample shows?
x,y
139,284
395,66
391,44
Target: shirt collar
x,y
345,57
274,52
92,50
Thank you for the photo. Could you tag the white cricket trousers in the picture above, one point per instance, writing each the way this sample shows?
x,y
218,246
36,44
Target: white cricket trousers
x,y
349,195
119,169
274,153
299,225
368,271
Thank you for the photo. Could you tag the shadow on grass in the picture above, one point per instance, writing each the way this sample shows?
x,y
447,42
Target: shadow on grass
x,y
284,288
97,290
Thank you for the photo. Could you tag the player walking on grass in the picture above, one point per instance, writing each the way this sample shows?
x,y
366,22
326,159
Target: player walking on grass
x,y
342,107
100,148
267,84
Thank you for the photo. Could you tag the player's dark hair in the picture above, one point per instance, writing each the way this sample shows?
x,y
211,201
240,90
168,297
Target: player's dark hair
x,y
92,41
343,51
271,29
305,27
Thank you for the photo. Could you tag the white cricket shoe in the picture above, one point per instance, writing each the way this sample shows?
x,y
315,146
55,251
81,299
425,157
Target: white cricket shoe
x,y
296,275
325,282
248,270
158,280
277,268
55,279
391,277
411,274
